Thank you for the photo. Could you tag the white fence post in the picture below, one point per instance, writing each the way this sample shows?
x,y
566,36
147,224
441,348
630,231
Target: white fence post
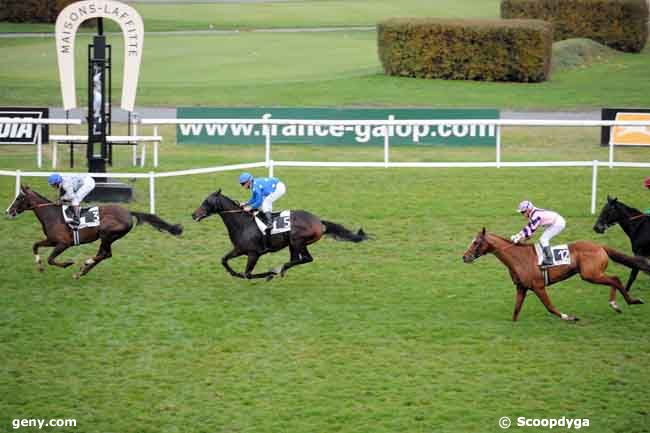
x,y
594,186
155,147
498,146
152,193
267,145
271,166
135,147
17,182
39,145
386,147
611,153
54,152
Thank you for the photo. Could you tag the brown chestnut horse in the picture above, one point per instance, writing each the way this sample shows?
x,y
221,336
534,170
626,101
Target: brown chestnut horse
x,y
115,222
587,259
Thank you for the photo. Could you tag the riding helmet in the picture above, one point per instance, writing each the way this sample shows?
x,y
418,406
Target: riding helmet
x,y
524,206
245,177
54,179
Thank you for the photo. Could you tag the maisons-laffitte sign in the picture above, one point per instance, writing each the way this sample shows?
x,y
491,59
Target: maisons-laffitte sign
x,y
68,23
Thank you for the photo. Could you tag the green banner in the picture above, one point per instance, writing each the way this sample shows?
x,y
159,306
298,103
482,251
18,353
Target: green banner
x,y
448,135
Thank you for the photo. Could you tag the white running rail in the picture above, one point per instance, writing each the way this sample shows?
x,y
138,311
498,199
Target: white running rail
x,y
269,163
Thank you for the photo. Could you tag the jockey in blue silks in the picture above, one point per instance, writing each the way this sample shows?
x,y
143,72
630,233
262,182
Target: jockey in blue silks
x,y
265,190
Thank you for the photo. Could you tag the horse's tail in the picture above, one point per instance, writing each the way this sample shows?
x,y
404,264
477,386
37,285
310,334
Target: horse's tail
x,y
340,233
633,262
158,223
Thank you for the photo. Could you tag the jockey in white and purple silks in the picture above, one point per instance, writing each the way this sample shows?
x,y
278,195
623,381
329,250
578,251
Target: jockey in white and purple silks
x,y
540,217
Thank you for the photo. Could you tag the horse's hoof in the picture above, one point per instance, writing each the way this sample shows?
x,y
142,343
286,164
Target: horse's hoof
x,y
615,307
40,269
270,277
640,301
66,264
76,276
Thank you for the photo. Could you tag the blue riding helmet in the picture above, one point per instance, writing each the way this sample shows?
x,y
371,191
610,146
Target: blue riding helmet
x,y
245,177
54,179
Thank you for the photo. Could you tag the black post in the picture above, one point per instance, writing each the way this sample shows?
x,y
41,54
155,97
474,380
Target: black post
x,y
97,103
99,121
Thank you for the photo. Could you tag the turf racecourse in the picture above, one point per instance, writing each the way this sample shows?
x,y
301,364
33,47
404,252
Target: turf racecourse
x,y
392,335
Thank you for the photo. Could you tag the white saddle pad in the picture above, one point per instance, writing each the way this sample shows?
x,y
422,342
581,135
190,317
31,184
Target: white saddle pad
x,y
281,223
89,216
561,254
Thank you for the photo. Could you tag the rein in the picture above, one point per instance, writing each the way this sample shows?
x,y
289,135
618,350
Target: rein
x,y
38,206
638,216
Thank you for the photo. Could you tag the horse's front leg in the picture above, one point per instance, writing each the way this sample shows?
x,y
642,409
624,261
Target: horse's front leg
x,y
37,257
58,249
224,261
543,296
521,296
250,265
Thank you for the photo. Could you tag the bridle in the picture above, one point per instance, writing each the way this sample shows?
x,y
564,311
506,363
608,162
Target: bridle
x,y
474,255
38,206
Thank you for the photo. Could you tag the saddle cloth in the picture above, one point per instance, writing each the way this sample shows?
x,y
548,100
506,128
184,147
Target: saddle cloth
x,y
89,216
561,255
281,222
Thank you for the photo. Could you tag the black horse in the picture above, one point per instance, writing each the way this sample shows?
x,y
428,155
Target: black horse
x,y
248,240
634,223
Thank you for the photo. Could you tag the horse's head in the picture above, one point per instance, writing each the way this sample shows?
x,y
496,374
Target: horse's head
x,y
611,214
25,200
477,248
214,203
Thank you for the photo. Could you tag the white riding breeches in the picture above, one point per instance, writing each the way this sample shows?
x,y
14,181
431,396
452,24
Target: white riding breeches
x,y
267,204
81,193
552,231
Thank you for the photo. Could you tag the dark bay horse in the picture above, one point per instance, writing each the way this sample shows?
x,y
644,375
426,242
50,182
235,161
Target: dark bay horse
x,y
634,223
116,222
587,259
247,239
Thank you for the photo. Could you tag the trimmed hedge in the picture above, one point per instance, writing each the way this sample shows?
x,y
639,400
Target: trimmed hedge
x,y
39,11
490,50
620,24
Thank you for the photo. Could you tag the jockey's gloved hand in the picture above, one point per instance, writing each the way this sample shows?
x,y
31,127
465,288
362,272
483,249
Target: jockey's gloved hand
x,y
515,238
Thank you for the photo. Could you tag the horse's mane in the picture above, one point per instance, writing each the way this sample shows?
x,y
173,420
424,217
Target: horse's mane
x,y
40,196
225,197
500,237
627,208
508,241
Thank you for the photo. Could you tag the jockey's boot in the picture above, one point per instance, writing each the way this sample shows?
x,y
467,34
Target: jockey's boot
x,y
267,232
76,217
548,256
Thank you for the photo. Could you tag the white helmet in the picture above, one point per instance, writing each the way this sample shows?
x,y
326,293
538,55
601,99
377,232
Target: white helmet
x,y
524,206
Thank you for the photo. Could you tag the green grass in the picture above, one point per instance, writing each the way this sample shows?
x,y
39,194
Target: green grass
x,y
178,16
331,69
392,335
